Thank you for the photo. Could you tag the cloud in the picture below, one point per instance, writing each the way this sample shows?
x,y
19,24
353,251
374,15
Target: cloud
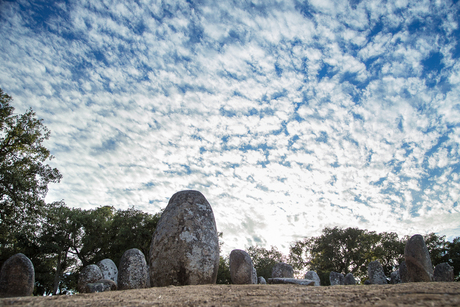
x,y
289,116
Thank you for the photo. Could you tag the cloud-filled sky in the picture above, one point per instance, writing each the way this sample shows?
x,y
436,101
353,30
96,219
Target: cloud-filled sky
x,y
289,116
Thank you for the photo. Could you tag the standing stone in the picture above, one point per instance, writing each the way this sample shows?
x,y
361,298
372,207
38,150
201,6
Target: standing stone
x,y
376,274
443,272
418,262
395,278
312,275
109,270
133,272
403,275
336,279
349,279
282,270
89,274
17,277
262,280
241,267
185,244
254,276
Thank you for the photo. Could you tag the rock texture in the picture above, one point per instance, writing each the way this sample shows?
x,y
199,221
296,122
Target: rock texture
x,y
185,245
89,274
282,270
17,277
349,279
241,267
109,270
403,272
443,272
395,278
133,273
303,282
254,276
102,285
312,275
418,262
376,274
336,279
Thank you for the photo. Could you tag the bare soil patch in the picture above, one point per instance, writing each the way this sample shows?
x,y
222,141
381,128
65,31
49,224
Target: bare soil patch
x,y
411,294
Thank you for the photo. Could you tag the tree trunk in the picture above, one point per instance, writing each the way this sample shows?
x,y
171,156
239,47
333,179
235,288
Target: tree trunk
x,y
57,276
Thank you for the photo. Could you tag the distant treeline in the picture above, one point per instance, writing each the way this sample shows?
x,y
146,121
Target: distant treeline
x,y
67,239
346,251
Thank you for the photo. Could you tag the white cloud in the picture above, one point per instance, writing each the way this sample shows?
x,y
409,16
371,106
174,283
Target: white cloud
x,y
237,109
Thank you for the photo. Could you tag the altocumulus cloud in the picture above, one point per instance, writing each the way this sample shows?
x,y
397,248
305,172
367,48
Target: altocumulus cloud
x,y
289,116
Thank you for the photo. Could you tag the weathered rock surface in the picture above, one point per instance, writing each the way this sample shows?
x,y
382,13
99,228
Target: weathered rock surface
x,y
254,276
89,274
349,279
17,277
133,273
185,245
102,285
395,278
312,275
262,280
403,272
376,274
241,267
282,270
418,262
336,279
109,270
443,272
303,282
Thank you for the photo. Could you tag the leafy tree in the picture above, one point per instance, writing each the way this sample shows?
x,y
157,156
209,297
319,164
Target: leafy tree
x,y
346,251
223,274
453,256
60,234
24,177
264,260
131,228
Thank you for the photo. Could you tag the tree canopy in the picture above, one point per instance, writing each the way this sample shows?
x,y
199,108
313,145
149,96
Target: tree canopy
x,y
24,175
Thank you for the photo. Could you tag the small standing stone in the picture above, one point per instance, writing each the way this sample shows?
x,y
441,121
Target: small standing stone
x,y
241,267
349,279
282,270
89,274
102,285
403,272
443,272
376,274
254,276
418,261
312,275
109,270
17,277
133,272
395,278
336,279
262,280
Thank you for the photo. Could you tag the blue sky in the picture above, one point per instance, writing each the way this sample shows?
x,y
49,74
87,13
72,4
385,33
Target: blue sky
x,y
289,116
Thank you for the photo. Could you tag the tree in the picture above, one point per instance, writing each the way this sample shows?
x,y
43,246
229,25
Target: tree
x,y
264,260
131,228
453,256
223,273
60,234
345,251
24,176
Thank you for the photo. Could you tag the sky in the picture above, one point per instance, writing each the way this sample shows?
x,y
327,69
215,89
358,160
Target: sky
x,y
289,116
